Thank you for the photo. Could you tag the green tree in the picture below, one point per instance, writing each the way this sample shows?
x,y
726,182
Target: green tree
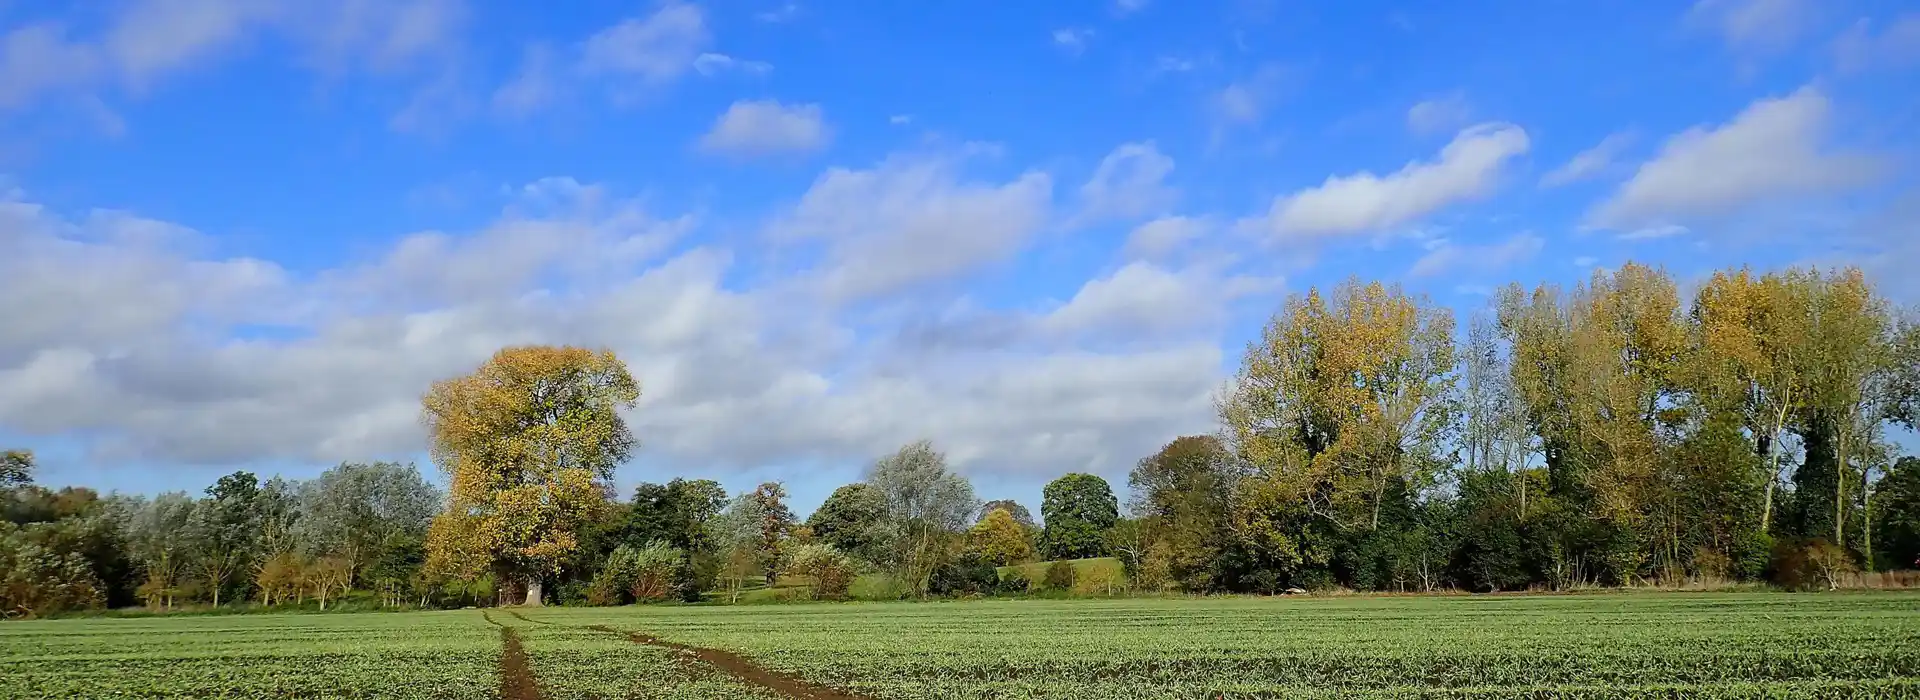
x,y
776,525
222,529
1181,496
853,520
529,442
927,505
1078,509
353,510
1896,516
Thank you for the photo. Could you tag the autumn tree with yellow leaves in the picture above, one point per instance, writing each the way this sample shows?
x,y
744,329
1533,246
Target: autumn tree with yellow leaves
x,y
529,442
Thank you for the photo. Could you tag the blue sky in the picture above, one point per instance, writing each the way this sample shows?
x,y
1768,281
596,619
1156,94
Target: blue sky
x,y
248,233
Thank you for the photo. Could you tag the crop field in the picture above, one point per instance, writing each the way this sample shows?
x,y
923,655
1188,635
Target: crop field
x,y
1604,645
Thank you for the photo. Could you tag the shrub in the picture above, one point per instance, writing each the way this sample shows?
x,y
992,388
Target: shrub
x,y
1810,564
656,569
831,569
968,575
1059,576
1014,583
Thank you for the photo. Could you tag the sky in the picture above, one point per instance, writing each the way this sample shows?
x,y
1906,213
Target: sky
x,y
248,234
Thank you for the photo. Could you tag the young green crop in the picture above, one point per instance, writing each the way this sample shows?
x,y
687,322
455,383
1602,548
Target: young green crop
x,y
414,656
1613,645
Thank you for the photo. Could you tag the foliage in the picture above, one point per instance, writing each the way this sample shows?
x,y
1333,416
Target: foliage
x,y
999,539
37,577
965,575
528,441
1078,509
16,468
1019,512
1897,515
776,524
832,570
853,520
353,510
1014,582
926,506
1060,576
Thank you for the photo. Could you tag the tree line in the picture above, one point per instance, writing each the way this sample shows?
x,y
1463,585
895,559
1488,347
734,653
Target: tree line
x,y
1604,434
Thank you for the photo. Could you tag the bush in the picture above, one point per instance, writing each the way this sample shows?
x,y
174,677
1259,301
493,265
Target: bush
x,y
1059,577
656,569
1810,564
1014,583
832,571
968,575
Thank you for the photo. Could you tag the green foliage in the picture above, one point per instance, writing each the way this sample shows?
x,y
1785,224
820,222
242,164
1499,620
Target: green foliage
x,y
1897,516
1059,576
831,570
967,575
1078,509
853,520
1013,582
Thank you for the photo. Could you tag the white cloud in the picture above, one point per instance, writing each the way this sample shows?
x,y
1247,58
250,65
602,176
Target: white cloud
x,y
909,221
1127,7
1130,182
900,119
1477,259
717,63
1140,298
1160,237
1072,40
144,42
1585,261
1468,168
656,48
1440,114
1771,149
120,339
1654,232
1754,25
762,127
1590,162
1897,46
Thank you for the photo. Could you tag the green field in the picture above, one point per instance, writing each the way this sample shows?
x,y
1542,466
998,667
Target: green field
x,y
1602,645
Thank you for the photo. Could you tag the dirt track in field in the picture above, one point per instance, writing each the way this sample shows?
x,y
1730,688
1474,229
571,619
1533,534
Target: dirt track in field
x,y
516,676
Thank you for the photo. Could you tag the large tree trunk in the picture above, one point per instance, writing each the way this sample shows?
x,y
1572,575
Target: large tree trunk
x,y
533,593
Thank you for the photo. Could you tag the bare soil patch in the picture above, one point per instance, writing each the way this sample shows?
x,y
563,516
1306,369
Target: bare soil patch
x,y
516,676
787,685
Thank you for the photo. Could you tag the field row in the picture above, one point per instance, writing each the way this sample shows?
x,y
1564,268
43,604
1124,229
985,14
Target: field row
x,y
1613,645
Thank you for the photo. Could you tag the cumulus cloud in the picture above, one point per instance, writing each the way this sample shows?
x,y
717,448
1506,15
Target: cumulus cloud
x,y
762,127
1468,168
120,333
911,220
1162,236
1773,148
1589,163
